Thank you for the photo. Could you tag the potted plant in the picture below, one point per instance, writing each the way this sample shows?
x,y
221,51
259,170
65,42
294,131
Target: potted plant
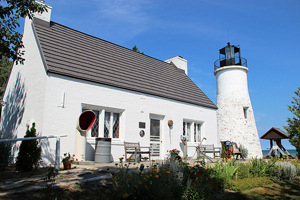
x,y
67,161
227,155
174,152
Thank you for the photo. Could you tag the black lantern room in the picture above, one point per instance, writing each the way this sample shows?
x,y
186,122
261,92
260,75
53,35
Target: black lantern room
x,y
230,55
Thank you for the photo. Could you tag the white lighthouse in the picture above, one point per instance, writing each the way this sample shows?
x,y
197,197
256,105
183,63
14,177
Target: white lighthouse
x,y
235,115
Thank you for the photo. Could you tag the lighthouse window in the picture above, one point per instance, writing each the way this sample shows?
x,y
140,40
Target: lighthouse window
x,y
246,112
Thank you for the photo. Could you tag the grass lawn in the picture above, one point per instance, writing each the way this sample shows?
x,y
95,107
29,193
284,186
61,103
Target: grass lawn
x,y
280,190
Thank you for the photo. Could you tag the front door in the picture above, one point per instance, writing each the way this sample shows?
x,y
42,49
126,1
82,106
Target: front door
x,y
155,142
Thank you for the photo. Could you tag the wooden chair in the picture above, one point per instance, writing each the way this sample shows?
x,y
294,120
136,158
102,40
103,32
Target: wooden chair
x,y
134,148
236,150
210,148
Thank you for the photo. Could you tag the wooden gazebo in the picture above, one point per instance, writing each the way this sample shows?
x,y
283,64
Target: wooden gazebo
x,y
276,134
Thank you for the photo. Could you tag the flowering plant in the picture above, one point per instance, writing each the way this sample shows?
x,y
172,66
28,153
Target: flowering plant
x,y
68,158
227,154
174,151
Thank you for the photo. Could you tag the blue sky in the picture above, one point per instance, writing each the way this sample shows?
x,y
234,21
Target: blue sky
x,y
268,33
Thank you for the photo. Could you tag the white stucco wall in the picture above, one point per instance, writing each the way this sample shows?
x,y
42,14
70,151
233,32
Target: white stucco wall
x,y
25,91
232,98
136,108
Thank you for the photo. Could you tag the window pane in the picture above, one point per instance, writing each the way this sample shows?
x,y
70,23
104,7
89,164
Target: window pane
x,y
95,127
199,132
183,133
154,127
195,132
106,124
115,125
188,130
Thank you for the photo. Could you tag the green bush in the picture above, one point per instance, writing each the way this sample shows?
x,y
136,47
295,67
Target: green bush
x,y
201,183
5,148
249,183
170,180
29,153
157,182
243,171
227,170
261,167
286,170
244,151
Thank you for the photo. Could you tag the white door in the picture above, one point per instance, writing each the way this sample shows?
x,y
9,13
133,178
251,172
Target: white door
x,y
155,141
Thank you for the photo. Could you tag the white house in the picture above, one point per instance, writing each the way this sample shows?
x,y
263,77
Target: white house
x,y
66,72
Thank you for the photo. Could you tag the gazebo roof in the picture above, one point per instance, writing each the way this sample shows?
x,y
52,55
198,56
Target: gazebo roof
x,y
275,133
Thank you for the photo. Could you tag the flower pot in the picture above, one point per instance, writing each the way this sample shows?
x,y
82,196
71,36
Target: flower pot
x,y
174,154
67,165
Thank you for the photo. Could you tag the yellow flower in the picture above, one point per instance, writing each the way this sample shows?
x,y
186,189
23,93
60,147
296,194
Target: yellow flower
x,y
156,176
136,186
150,182
168,172
146,187
115,179
125,195
140,182
147,176
130,175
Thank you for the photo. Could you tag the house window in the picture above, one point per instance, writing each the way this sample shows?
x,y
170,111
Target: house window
x,y
187,130
109,121
197,132
111,125
192,130
245,112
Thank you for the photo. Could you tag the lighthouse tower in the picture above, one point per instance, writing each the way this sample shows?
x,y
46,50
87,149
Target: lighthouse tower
x,y
235,115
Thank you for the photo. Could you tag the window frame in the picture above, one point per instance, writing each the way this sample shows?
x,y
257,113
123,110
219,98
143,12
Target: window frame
x,y
191,132
101,120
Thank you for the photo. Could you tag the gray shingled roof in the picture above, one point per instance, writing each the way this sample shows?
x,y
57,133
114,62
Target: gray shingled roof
x,y
75,54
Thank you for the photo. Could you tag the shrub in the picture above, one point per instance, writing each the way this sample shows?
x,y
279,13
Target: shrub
x,y
29,153
249,183
261,167
227,170
157,182
244,151
243,171
5,148
170,180
200,183
286,170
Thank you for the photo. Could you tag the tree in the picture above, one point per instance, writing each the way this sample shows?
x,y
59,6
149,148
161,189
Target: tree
x,y
293,127
11,40
30,152
136,49
5,66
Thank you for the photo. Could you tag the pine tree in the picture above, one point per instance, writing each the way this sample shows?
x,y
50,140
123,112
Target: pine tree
x,y
136,49
30,152
293,127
